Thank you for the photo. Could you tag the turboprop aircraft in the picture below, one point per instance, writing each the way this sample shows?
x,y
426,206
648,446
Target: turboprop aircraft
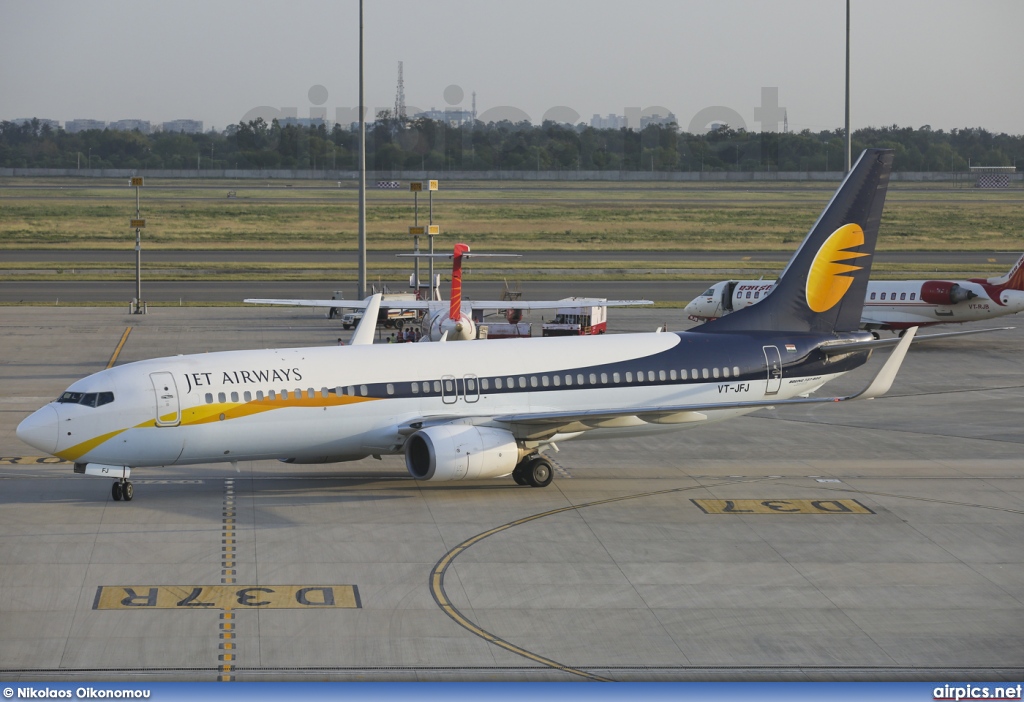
x,y
890,304
457,413
455,320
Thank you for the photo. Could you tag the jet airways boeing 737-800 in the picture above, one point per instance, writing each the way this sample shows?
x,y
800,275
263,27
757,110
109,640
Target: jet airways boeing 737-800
x,y
467,411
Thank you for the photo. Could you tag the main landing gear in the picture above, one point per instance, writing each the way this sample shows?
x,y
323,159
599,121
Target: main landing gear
x,y
535,471
122,490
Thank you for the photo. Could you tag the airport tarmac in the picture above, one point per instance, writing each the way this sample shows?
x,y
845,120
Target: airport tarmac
x,y
875,540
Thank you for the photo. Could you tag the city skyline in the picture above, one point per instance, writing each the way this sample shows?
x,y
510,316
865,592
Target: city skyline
x,y
914,62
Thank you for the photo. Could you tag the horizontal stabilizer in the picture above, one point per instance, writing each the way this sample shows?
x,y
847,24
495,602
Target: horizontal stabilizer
x,y
853,346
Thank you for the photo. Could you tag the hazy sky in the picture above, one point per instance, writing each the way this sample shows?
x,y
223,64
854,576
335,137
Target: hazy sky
x,y
947,63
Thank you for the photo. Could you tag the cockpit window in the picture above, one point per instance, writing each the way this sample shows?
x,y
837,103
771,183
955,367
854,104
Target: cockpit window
x,y
89,399
709,292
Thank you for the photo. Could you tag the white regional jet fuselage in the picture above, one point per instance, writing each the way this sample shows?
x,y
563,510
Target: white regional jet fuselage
x,y
344,403
896,304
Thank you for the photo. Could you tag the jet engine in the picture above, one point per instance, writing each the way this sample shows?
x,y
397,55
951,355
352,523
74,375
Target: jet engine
x,y
943,292
460,452
461,329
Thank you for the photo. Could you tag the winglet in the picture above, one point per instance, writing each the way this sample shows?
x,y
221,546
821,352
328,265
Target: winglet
x,y
883,381
368,324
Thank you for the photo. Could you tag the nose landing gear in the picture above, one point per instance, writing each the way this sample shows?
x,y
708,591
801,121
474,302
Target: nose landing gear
x,y
122,490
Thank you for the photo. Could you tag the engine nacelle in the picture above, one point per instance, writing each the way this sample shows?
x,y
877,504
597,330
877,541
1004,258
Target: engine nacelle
x,y
943,292
460,452
462,329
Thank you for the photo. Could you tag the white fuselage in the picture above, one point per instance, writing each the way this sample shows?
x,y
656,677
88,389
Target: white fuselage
x,y
344,403
894,304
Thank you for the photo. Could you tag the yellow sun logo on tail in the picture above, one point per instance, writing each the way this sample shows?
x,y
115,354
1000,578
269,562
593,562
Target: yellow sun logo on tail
x,y
827,280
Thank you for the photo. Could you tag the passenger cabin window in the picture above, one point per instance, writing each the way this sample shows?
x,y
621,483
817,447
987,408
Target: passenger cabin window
x,y
284,395
913,296
247,396
903,296
557,380
391,389
485,384
662,376
736,371
593,378
234,397
363,390
682,374
544,380
873,295
705,373
604,378
615,378
714,372
415,389
725,371
672,374
497,383
209,398
629,376
273,395
259,395
437,386
883,296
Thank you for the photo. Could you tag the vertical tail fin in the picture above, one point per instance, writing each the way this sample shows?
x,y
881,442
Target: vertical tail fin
x,y
823,286
455,308
1014,280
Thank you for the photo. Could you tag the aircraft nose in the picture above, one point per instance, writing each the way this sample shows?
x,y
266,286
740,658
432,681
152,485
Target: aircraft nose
x,y
39,430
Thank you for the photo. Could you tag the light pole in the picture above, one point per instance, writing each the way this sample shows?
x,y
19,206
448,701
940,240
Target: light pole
x,y
362,166
90,158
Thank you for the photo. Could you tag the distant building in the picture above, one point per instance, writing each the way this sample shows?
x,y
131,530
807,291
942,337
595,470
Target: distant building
x,y
609,122
451,116
54,124
188,126
82,125
129,125
663,120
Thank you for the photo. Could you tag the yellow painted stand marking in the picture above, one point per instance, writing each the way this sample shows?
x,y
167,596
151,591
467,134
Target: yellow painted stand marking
x,y
782,506
120,345
227,597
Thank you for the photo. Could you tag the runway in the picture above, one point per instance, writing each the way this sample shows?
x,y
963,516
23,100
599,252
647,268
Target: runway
x,y
874,540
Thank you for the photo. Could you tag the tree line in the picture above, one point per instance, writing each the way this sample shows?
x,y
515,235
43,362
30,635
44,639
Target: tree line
x,y
436,146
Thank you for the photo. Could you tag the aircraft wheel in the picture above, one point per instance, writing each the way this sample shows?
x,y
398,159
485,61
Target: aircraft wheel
x,y
518,474
115,492
539,472
127,491
876,335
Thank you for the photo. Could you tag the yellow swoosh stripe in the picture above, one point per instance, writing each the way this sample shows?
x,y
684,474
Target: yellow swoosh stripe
x,y
205,414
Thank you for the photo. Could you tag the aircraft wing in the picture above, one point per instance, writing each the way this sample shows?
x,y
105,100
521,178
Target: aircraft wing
x,y
346,304
552,304
475,304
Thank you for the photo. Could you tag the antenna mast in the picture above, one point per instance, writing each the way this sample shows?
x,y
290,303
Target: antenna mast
x,y
400,98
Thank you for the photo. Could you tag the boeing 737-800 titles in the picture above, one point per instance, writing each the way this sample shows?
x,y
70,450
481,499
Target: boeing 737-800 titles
x,y
460,411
